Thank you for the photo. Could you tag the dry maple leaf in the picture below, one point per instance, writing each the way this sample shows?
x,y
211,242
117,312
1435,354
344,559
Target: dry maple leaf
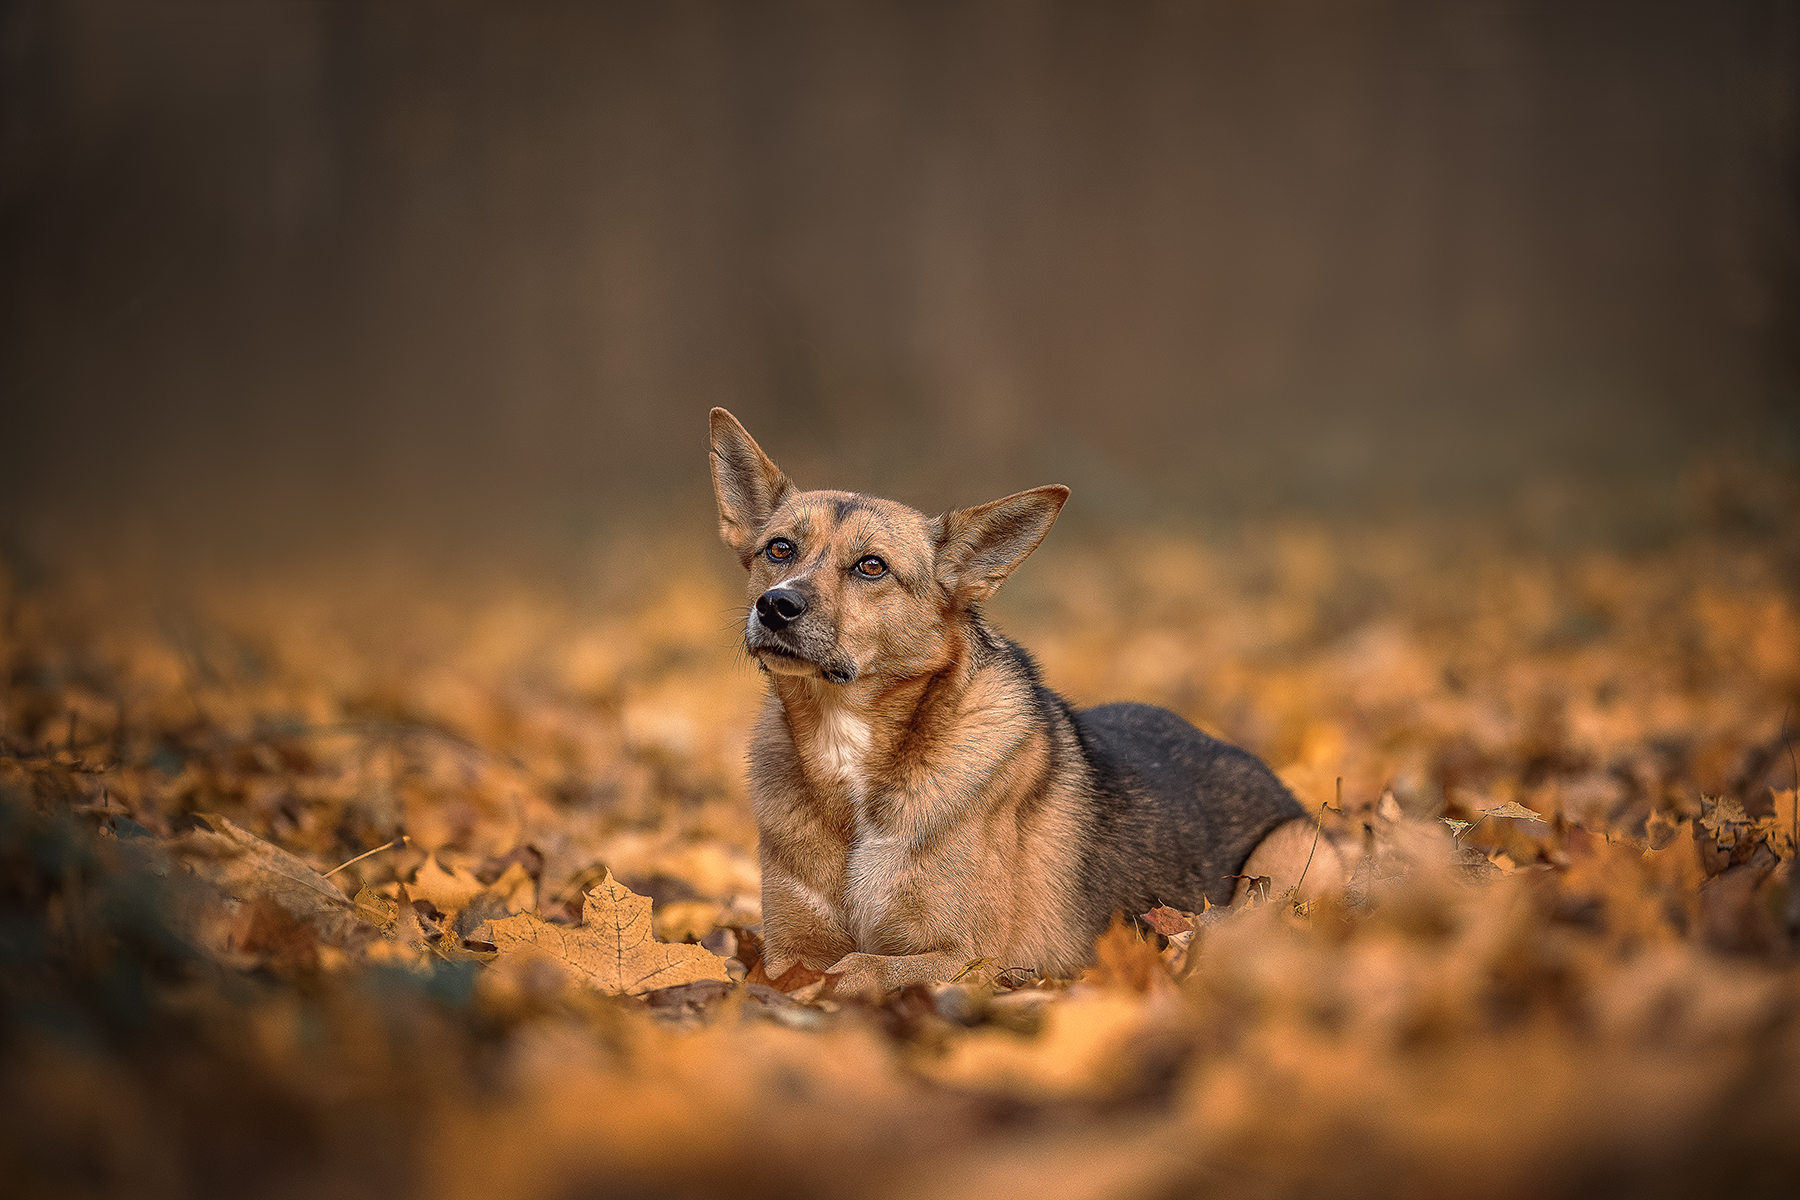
x,y
1721,819
613,948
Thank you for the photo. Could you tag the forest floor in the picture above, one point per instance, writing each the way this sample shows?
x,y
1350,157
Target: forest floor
x,y
1597,996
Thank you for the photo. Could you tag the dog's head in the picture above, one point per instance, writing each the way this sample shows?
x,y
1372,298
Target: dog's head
x,y
844,586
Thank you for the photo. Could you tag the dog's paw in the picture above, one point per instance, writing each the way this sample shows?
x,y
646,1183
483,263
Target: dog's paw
x,y
868,976
875,975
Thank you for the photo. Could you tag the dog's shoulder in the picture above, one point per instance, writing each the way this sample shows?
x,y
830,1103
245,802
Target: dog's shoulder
x,y
993,651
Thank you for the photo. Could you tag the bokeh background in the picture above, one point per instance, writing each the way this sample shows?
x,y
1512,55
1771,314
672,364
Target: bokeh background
x,y
1426,375
280,271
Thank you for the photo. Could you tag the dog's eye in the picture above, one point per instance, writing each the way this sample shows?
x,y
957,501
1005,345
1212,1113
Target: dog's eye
x,y
780,550
871,567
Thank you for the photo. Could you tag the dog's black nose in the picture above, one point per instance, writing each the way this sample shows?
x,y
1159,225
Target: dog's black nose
x,y
779,607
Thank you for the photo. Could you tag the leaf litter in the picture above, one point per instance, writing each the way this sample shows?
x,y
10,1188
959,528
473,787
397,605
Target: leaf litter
x,y
304,895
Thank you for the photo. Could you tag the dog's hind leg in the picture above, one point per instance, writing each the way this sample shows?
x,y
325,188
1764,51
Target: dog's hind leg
x,y
1282,857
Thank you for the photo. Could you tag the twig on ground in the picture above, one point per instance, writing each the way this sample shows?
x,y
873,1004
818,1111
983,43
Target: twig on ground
x,y
1318,827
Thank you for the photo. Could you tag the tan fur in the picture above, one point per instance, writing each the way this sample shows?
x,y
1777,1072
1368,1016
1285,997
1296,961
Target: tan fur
x,y
939,844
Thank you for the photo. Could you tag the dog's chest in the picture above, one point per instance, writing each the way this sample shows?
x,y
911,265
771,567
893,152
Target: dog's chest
x,y
880,859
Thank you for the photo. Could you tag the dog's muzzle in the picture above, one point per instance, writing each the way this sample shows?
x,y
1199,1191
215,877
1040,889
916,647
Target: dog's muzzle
x,y
781,645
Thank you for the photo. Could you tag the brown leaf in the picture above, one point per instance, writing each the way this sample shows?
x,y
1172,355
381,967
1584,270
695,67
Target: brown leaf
x,y
797,978
1388,808
1661,830
451,948
1723,818
245,867
1168,921
1778,827
514,892
1512,808
613,948
408,930
1123,958
450,888
266,929
375,909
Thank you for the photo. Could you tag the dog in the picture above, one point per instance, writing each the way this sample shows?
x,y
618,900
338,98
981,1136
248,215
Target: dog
x,y
927,808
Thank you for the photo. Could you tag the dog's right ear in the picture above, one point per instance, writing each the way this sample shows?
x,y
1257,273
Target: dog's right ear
x,y
748,486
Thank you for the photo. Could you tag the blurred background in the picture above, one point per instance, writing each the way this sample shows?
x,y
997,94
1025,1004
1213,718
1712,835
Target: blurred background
x,y
280,270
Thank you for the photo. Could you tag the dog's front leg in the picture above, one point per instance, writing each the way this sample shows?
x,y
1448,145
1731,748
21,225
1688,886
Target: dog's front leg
x,y
799,928
875,975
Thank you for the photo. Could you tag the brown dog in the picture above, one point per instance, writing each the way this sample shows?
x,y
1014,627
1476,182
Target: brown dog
x,y
927,807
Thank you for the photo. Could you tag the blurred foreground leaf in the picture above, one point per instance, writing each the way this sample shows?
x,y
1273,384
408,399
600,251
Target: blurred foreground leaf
x,y
246,868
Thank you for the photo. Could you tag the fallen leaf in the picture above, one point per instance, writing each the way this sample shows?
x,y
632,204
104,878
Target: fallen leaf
x,y
408,930
514,892
798,980
272,933
1388,808
687,920
1778,827
1722,818
246,868
1661,830
1168,921
1124,958
375,909
613,948
450,888
452,948
1512,808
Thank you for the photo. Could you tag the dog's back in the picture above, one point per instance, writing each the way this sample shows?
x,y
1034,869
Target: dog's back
x,y
1172,815
1176,813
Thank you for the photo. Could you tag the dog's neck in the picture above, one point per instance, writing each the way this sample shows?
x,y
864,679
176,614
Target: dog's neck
x,y
838,729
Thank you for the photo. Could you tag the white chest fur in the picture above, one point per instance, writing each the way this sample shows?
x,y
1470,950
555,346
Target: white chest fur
x,y
878,860
841,746
878,864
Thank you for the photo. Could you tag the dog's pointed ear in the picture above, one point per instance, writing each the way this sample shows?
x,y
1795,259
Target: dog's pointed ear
x,y
748,486
977,548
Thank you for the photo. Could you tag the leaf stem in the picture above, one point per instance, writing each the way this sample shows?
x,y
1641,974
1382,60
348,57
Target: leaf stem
x,y
402,840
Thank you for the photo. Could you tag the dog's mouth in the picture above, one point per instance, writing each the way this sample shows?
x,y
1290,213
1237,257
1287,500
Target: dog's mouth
x,y
781,660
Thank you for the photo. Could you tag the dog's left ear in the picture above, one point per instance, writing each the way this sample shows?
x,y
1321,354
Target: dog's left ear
x,y
977,548
746,482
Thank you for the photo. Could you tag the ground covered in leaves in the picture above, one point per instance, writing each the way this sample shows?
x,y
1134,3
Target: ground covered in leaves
x,y
1565,964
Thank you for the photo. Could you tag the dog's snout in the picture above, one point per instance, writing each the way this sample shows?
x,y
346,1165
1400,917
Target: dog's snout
x,y
779,607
